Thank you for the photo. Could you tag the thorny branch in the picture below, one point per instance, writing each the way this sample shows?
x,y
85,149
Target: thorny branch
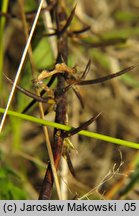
x,y
62,76
47,185
62,71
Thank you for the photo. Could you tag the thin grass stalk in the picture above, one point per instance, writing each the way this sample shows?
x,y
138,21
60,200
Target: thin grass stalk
x,y
2,24
90,134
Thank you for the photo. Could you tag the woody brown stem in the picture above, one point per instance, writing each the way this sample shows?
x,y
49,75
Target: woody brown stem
x,y
47,186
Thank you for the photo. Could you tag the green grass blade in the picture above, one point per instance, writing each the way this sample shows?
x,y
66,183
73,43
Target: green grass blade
x,y
2,24
68,128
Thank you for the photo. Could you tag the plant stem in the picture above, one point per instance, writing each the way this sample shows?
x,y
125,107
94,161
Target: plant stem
x,y
68,128
45,130
46,190
2,24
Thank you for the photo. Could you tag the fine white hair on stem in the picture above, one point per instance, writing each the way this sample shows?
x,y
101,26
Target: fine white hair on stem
x,y
21,65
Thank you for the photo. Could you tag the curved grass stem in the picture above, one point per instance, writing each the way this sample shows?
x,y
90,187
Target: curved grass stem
x,y
68,128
